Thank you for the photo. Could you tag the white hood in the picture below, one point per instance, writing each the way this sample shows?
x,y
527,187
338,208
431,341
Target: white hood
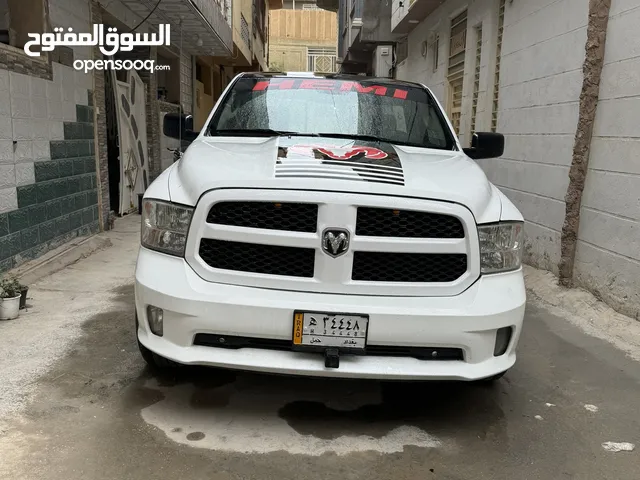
x,y
216,162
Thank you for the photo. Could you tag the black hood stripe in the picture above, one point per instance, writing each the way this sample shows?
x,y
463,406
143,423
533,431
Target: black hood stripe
x,y
365,161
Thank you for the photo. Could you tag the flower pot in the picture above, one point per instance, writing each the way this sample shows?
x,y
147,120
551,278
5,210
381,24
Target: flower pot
x,y
23,298
9,308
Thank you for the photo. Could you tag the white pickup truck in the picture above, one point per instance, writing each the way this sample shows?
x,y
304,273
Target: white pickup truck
x,y
330,226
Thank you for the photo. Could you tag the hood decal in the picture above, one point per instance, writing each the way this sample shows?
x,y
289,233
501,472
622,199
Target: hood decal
x,y
366,162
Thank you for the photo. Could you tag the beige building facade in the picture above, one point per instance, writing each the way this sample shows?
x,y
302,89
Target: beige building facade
x,y
303,38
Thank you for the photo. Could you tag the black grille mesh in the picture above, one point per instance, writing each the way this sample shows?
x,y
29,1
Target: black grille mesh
x,y
293,217
254,258
408,267
381,222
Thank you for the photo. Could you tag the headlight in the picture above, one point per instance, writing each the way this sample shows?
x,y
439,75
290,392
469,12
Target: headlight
x,y
165,226
500,247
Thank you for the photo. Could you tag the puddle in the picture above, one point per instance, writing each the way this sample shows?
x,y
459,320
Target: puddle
x,y
263,414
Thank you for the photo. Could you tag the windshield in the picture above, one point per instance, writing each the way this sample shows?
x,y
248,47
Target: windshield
x,y
395,113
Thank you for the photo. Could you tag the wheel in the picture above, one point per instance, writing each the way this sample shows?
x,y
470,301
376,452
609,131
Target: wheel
x,y
155,361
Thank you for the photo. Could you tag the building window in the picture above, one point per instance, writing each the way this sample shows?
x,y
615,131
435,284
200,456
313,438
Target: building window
x,y
496,81
455,72
321,60
259,14
402,51
476,79
18,18
244,31
168,80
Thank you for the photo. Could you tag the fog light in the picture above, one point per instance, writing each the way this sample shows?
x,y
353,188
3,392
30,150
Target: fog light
x,y
503,337
154,315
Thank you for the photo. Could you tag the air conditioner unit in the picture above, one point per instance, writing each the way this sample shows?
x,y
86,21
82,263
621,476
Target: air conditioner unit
x,y
382,61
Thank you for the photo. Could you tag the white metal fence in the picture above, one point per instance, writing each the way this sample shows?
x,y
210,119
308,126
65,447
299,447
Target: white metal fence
x,y
322,60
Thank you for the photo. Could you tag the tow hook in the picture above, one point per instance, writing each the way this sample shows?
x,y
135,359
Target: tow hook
x,y
332,358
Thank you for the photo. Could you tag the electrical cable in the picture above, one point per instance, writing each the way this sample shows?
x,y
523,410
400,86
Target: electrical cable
x,y
147,17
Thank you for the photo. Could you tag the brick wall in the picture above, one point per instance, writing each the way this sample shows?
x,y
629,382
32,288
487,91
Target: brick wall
x,y
101,157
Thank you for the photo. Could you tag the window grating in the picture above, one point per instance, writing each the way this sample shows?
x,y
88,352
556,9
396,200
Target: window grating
x,y
496,83
476,78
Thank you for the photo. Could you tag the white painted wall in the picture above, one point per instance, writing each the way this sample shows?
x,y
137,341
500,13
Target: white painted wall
x,y
540,81
608,256
541,78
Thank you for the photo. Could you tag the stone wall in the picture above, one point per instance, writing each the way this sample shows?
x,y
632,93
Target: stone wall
x,y
101,156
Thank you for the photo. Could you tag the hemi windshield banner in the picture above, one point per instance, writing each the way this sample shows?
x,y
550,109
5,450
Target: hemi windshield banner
x,y
341,86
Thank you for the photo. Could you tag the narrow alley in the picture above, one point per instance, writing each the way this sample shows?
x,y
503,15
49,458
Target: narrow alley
x,y
77,401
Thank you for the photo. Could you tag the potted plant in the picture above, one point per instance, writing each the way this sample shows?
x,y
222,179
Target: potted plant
x,y
10,293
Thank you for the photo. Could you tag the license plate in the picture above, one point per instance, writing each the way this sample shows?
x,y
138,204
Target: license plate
x,y
323,330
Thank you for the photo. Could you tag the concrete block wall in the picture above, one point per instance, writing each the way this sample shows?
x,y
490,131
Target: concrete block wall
x,y
608,252
540,83
47,165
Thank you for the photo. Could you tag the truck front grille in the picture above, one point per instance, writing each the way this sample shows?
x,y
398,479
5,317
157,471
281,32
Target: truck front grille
x,y
274,238
255,258
387,222
292,217
408,267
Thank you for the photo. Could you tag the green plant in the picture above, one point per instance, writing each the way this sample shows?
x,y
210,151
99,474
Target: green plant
x,y
10,287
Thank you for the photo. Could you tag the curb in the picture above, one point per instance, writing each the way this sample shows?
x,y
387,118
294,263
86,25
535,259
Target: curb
x,y
59,258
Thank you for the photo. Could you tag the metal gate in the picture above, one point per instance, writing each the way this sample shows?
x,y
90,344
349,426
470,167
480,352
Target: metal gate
x,y
321,60
132,135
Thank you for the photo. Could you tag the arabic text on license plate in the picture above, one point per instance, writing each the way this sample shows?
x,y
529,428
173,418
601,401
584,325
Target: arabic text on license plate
x,y
330,330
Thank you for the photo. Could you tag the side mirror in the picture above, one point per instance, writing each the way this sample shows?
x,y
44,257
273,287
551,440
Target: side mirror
x,y
179,126
485,145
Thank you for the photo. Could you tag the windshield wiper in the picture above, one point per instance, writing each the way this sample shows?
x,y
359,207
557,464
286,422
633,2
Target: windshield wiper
x,y
372,138
364,138
258,132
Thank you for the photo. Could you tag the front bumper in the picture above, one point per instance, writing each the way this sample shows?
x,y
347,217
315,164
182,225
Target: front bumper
x,y
191,305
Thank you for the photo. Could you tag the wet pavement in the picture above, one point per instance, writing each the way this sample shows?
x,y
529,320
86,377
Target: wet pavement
x,y
99,413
